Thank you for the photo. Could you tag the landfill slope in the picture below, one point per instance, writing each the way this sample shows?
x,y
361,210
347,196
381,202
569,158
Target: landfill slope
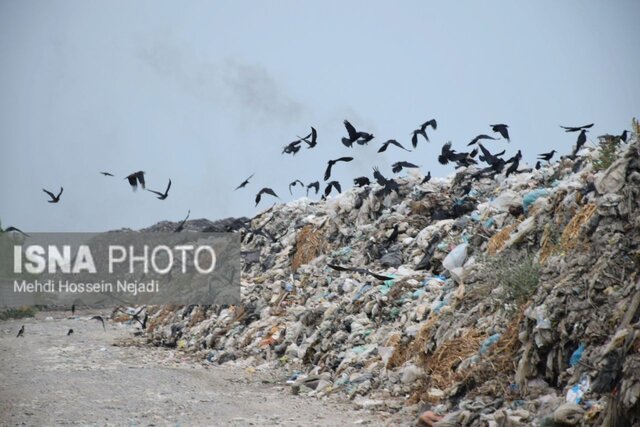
x,y
512,301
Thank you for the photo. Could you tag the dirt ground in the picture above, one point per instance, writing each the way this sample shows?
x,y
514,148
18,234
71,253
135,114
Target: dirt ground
x,y
90,378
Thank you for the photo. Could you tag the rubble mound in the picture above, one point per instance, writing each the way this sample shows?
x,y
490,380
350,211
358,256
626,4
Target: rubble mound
x,y
489,301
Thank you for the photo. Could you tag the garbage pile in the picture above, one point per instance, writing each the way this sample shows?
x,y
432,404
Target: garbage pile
x,y
476,302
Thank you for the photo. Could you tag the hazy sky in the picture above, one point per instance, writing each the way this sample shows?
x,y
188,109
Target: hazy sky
x,y
206,93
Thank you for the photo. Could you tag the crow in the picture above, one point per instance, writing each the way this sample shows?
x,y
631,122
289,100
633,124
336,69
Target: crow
x,y
135,178
70,332
20,332
331,185
330,163
359,270
143,324
164,195
361,181
446,154
427,178
516,158
623,136
54,199
388,184
538,166
315,185
101,321
393,236
292,148
180,226
73,309
422,130
479,137
502,130
354,135
265,190
489,158
397,166
513,168
294,183
393,142
15,230
547,156
314,138
244,183
576,128
106,173
582,139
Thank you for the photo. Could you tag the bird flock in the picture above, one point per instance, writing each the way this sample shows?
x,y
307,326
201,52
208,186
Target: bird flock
x,y
494,163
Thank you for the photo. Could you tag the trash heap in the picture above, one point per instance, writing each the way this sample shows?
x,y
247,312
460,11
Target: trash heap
x,y
505,301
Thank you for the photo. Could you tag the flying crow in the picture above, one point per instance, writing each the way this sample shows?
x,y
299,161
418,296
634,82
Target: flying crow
x,y
331,185
101,320
264,191
393,142
180,226
106,173
479,137
314,138
315,185
245,182
355,136
388,184
15,230
164,195
294,183
502,130
54,198
576,128
397,166
547,156
293,147
446,153
330,163
422,130
135,178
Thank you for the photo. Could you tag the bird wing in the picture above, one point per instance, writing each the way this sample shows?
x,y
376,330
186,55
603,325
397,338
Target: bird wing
x,y
314,134
431,123
383,147
106,174
49,193
336,185
168,187
269,191
140,176
353,134
327,172
156,192
344,159
338,267
132,181
414,139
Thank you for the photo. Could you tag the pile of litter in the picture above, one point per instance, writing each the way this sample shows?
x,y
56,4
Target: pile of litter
x,y
501,302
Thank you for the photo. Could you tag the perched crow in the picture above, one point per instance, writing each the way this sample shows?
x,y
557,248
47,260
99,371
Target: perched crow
x,y
393,236
106,173
359,270
388,184
180,226
538,166
315,185
21,332
392,142
265,190
331,185
330,163
576,128
623,136
513,168
397,167
99,318
164,195
516,158
547,156
15,230
294,183
479,137
502,130
314,138
70,332
245,182
54,198
582,139
361,181
73,309
427,178
135,178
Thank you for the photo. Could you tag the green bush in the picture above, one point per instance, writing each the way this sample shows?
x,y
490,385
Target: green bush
x,y
17,313
608,152
517,272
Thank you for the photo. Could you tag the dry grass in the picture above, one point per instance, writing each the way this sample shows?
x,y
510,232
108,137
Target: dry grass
x,y
548,244
497,242
571,233
309,244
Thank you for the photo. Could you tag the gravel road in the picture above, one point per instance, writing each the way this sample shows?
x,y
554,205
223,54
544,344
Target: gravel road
x,y
93,377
